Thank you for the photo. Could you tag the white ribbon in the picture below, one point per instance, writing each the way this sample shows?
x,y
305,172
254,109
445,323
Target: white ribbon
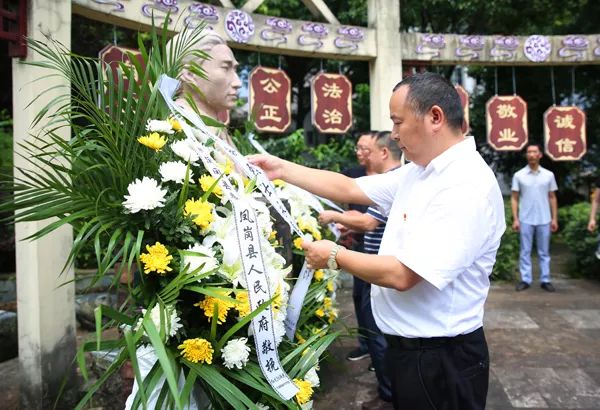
x,y
296,301
250,250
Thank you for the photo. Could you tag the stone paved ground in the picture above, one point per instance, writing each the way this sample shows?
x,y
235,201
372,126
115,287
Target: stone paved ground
x,y
544,348
545,351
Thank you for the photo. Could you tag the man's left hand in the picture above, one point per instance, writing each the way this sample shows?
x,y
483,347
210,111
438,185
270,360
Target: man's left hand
x,y
317,253
554,226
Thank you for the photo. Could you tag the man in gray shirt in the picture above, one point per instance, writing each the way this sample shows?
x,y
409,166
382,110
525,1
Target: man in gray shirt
x,y
534,211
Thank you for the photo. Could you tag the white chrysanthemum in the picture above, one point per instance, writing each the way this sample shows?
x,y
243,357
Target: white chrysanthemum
x,y
206,257
279,329
261,406
172,324
164,127
183,149
174,171
312,377
307,406
236,353
144,194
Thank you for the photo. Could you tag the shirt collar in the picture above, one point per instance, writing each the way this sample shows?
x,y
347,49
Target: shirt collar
x,y
453,153
531,171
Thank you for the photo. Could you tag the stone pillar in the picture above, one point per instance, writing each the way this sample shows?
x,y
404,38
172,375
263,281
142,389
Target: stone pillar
x,y
386,70
46,308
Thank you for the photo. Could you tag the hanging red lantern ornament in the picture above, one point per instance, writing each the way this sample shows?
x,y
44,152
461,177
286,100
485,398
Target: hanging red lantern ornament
x,y
331,103
506,120
565,133
270,99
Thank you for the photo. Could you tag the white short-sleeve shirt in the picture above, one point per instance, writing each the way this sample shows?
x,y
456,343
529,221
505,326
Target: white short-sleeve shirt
x,y
533,188
445,222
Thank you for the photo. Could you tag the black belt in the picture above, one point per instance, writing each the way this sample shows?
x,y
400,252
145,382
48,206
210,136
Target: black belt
x,y
416,343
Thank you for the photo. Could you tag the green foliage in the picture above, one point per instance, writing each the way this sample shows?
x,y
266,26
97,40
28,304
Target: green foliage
x,y
508,253
7,231
6,142
581,243
335,155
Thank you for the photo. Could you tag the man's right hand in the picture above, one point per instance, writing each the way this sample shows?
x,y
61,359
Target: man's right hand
x,y
327,217
516,226
270,164
591,225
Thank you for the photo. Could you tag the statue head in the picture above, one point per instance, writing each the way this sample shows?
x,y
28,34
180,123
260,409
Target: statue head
x,y
218,91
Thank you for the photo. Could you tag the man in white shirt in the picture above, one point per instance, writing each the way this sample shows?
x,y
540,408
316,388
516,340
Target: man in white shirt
x,y
534,211
431,276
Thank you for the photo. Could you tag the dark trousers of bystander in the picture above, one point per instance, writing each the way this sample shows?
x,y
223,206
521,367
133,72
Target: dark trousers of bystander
x,y
371,336
440,373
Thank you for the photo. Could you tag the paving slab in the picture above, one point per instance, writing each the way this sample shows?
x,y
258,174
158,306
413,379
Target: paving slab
x,y
544,351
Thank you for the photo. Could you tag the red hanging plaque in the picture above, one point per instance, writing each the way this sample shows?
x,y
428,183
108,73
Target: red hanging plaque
x,y
464,100
331,103
506,120
114,55
564,133
270,99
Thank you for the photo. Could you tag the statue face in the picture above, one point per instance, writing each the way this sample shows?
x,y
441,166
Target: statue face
x,y
221,86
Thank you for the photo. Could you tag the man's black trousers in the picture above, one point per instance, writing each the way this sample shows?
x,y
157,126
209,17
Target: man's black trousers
x,y
439,373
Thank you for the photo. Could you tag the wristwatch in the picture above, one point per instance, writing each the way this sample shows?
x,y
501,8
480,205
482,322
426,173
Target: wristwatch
x,y
331,262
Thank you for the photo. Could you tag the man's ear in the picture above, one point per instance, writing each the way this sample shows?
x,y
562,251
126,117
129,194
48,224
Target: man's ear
x,y
437,115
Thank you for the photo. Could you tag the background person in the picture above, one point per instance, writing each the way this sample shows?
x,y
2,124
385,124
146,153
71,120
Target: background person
x,y
355,239
385,156
535,214
431,275
595,202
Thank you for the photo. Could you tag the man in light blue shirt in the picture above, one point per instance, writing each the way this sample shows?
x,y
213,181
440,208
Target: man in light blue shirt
x,y
534,211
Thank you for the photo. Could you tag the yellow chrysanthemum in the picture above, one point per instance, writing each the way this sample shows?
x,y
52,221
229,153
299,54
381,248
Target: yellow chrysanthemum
x,y
300,339
319,274
332,316
319,312
298,243
305,392
197,350
272,235
206,181
302,225
175,124
278,182
330,286
209,304
153,141
201,212
157,259
327,303
316,234
227,168
243,305
276,305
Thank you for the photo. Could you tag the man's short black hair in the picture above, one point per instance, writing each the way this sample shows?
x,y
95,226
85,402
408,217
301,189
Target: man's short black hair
x,y
384,139
428,89
533,144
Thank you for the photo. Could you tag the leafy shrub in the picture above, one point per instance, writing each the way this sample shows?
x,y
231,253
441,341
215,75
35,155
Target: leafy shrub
x,y
508,253
335,155
581,243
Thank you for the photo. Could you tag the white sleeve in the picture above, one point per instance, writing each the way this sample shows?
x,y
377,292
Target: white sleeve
x,y
553,186
381,189
515,184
